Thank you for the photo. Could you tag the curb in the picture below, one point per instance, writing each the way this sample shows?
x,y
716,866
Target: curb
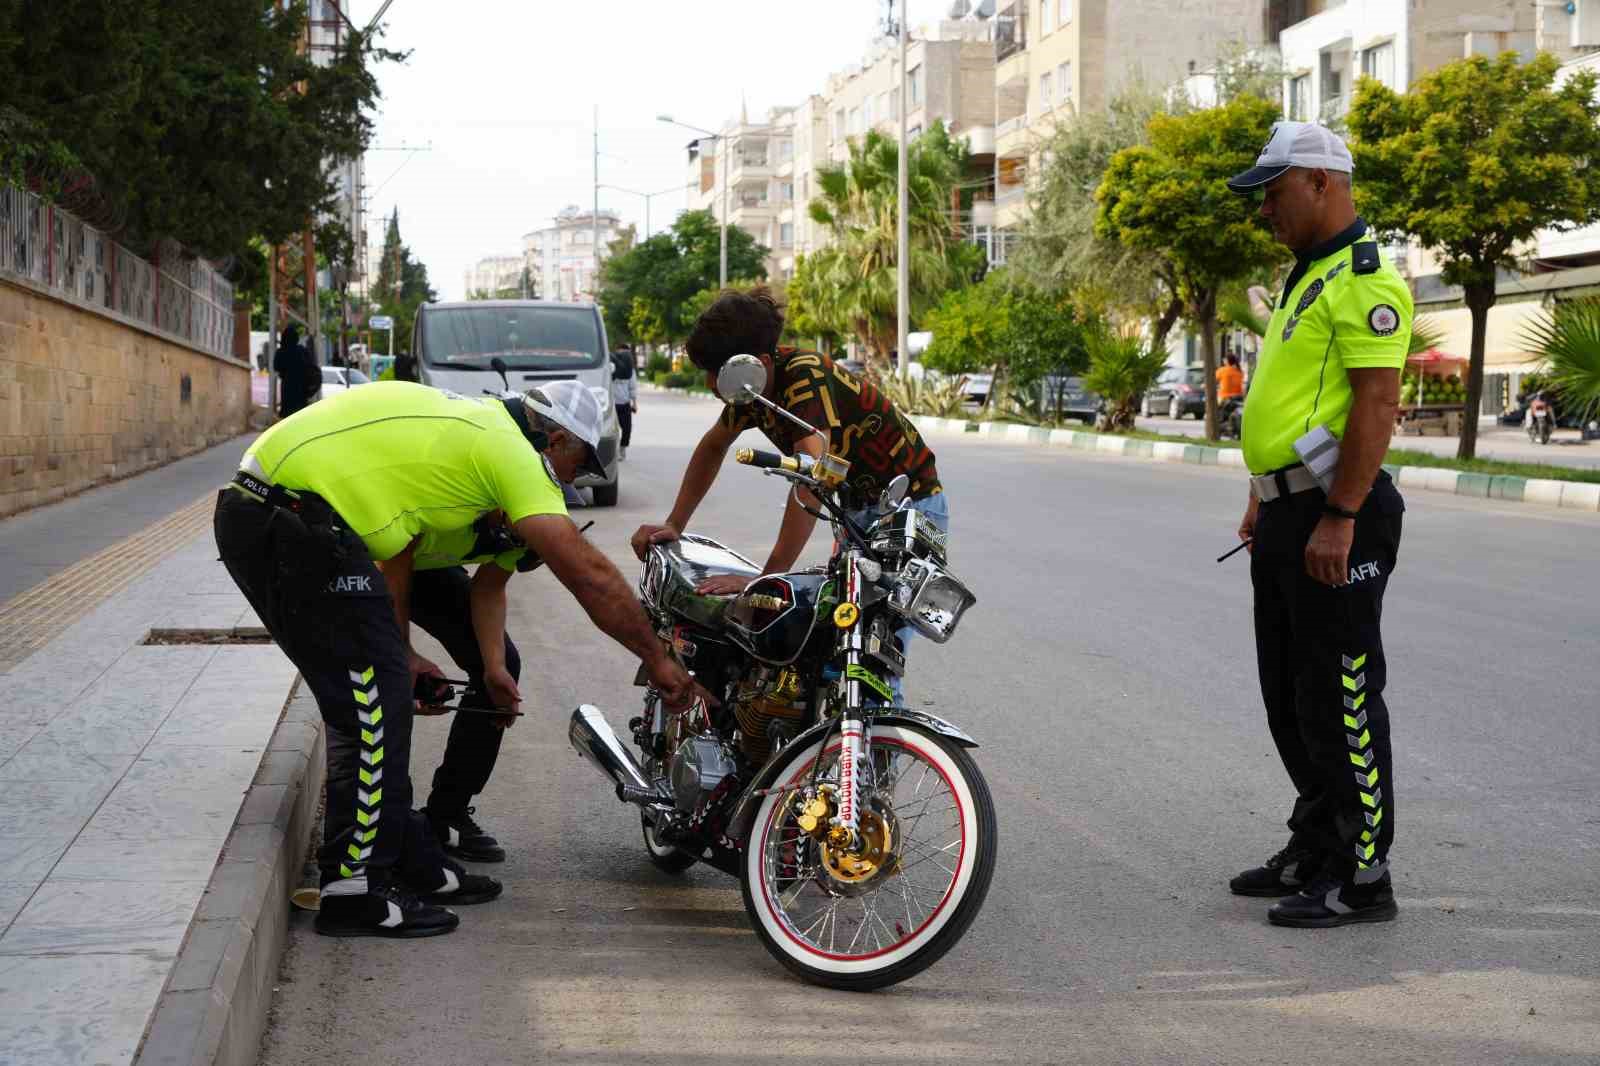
x,y
214,1008
1567,495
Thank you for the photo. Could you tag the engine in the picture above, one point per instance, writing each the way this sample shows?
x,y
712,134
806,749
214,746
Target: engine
x,y
769,705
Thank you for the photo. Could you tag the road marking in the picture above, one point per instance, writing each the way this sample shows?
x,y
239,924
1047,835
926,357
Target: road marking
x,y
35,617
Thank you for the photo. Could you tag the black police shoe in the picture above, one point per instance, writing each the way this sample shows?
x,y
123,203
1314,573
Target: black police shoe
x,y
464,838
1282,875
383,910
459,888
1330,900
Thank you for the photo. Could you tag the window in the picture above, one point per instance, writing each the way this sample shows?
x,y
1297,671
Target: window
x,y
855,120
1064,82
914,80
1047,16
785,151
867,117
838,124
786,191
786,235
1332,77
1044,92
886,111
1066,11
1300,98
1378,62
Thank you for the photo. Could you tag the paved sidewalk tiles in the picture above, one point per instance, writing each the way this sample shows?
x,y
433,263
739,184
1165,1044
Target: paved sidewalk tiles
x,y
123,768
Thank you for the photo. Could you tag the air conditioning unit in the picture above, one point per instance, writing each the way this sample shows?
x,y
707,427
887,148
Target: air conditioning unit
x,y
1585,23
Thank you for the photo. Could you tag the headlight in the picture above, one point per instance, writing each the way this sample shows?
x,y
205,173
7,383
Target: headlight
x,y
930,598
601,395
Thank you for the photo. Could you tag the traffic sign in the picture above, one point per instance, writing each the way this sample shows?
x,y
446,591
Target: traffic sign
x,y
381,322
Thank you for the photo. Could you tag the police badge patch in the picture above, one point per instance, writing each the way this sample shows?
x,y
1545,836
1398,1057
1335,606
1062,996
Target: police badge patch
x,y
1308,298
1383,319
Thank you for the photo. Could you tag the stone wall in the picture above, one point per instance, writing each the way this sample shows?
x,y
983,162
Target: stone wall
x,y
86,398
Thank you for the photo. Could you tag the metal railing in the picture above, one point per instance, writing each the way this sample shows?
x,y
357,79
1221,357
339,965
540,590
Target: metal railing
x,y
42,244
1010,31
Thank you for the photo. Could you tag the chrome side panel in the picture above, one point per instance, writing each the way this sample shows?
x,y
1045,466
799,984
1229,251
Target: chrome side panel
x,y
744,808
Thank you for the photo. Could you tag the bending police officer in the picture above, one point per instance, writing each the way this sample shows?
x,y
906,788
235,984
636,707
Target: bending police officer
x,y
1324,541
359,478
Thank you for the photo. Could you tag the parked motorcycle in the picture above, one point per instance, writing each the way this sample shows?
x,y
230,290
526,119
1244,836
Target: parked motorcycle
x,y
1541,419
862,833
1230,418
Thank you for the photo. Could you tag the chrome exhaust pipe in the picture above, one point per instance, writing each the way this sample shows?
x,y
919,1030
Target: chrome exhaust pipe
x,y
592,738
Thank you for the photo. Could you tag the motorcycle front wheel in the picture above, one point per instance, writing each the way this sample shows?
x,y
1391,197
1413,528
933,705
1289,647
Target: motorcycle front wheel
x,y
863,923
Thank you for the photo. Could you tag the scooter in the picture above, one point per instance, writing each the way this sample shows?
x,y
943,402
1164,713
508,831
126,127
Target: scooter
x,y
1540,420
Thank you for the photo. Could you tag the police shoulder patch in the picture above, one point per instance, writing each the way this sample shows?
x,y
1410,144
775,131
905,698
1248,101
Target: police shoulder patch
x,y
1308,297
1383,319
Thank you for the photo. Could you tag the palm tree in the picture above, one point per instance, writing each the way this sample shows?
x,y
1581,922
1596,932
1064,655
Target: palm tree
x,y
857,203
1567,337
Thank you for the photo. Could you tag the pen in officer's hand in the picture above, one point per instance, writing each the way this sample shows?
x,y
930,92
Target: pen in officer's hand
x,y
1245,543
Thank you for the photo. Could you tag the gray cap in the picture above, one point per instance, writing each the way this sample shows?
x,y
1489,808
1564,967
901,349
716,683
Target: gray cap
x,y
1295,144
572,406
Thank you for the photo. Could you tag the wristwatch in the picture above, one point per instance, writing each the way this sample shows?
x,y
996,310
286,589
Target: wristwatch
x,y
1334,509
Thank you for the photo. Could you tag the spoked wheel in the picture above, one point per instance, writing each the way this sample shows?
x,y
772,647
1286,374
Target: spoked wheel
x,y
672,859
869,918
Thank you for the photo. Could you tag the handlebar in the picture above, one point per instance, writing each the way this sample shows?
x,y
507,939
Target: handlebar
x,y
768,460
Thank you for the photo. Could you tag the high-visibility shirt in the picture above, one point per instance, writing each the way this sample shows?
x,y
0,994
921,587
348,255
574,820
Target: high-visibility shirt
x,y
398,460
438,550
1344,307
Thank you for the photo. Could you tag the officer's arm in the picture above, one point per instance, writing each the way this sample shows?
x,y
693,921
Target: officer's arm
x,y
397,570
1366,435
488,605
593,581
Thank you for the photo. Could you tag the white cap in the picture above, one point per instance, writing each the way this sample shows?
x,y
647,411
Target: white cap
x,y
573,407
1295,144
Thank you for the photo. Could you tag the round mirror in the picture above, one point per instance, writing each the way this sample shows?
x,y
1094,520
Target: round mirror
x,y
894,493
741,380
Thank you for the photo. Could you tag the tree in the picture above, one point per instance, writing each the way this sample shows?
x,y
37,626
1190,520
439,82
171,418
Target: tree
x,y
858,203
971,329
1567,337
1122,367
1059,248
401,285
812,312
669,268
1170,199
187,120
1473,162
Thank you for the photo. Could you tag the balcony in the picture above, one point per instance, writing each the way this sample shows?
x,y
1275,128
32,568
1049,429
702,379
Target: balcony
x,y
1010,31
1333,108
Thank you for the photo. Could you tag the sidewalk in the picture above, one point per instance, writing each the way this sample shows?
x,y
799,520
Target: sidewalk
x,y
123,771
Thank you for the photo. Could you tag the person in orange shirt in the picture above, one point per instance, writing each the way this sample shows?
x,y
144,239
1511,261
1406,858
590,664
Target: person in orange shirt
x,y
1230,379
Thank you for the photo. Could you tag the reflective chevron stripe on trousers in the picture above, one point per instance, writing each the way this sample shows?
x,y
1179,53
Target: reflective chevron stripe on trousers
x,y
1319,654
332,616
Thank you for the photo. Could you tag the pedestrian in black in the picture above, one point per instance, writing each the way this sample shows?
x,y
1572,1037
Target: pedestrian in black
x,y
290,363
624,394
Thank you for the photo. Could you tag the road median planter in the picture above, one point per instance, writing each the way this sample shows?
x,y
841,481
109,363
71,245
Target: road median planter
x,y
1568,495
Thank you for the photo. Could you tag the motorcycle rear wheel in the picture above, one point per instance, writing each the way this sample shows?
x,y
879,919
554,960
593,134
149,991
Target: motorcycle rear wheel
x,y
931,790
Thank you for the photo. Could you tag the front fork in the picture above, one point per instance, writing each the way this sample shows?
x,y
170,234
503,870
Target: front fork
x,y
855,744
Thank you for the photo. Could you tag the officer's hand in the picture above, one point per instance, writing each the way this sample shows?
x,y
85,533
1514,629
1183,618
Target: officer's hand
x,y
1328,550
675,684
423,667
1247,524
502,689
648,534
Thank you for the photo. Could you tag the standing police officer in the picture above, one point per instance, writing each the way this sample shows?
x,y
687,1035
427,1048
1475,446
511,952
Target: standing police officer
x,y
1324,546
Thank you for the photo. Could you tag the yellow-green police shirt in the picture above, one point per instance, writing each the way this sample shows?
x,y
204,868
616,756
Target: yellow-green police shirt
x,y
459,547
1344,308
400,460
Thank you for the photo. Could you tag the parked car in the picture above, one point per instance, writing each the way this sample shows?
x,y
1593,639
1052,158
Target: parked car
x,y
1069,397
978,387
1177,392
856,367
339,378
539,340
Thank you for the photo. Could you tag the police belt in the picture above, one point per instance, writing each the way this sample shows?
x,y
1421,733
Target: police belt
x,y
1280,483
267,492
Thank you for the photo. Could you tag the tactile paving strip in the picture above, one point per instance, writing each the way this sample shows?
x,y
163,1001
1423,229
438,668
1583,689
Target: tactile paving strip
x,y
32,619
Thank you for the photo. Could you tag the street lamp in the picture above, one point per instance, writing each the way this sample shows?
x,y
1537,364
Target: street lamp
x,y
647,197
722,150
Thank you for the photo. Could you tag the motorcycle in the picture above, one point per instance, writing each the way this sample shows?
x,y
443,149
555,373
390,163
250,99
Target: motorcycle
x,y
1541,419
862,833
1230,418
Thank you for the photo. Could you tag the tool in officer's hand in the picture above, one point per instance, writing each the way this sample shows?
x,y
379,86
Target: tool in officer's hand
x,y
1243,544
441,689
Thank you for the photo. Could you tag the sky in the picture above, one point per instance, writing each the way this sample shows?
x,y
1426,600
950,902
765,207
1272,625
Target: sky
x,y
503,95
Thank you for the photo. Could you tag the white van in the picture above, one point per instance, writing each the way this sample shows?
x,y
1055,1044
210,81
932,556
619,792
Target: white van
x,y
540,340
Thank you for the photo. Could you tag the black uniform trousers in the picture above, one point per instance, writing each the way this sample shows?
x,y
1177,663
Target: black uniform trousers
x,y
1319,652
441,604
327,607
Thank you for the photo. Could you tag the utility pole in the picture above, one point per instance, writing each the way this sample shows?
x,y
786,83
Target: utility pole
x,y
272,333
594,284
903,235
722,256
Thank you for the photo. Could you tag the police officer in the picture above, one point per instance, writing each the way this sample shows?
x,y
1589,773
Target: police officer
x,y
359,478
1324,536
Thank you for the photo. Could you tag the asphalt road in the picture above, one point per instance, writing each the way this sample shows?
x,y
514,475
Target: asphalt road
x,y
1108,672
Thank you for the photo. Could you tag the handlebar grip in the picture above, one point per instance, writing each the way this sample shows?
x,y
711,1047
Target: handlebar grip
x,y
760,459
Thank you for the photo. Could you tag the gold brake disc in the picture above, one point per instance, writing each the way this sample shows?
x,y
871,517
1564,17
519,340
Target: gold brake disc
x,y
853,867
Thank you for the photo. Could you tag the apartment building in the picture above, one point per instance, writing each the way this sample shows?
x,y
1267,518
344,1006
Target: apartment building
x,y
562,255
493,274
1055,58
749,172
